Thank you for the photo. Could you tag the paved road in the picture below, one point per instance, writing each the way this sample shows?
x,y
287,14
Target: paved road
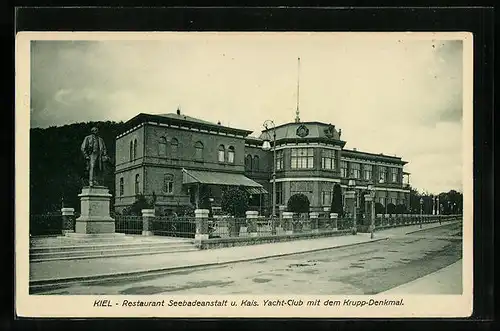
x,y
365,269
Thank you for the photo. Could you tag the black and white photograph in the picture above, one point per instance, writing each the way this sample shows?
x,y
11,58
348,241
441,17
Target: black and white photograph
x,y
258,173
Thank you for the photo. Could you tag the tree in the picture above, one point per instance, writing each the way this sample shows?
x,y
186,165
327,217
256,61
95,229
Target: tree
x,y
336,206
298,203
234,201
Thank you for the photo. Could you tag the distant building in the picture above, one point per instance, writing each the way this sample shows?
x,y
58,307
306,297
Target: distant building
x,y
182,160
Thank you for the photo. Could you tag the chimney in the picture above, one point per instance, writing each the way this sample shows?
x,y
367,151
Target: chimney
x,y
218,122
354,149
178,111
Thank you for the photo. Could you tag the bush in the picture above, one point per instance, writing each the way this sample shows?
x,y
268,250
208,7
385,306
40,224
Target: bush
x,y
139,204
391,208
235,201
379,208
298,203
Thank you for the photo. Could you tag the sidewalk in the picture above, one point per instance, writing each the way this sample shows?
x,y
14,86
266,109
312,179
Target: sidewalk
x,y
445,281
100,268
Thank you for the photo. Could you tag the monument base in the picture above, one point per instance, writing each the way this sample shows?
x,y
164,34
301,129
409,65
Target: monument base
x,y
95,218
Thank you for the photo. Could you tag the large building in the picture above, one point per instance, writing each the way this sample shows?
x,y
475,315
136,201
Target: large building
x,y
181,160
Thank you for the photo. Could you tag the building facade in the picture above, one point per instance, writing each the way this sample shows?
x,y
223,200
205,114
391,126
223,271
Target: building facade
x,y
180,160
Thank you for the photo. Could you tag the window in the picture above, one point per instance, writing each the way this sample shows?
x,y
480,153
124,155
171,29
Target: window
x,y
135,149
368,169
248,162
302,158
174,146
394,201
305,188
168,183
230,154
381,171
222,156
326,198
162,147
121,186
381,200
343,168
279,194
256,163
137,184
131,150
198,151
279,159
328,159
394,175
356,170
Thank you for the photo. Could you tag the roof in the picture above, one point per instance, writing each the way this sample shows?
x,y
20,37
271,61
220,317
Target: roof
x,y
373,156
186,118
312,130
182,120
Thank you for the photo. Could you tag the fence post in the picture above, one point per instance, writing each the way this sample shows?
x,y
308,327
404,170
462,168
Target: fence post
x,y
252,222
288,218
147,221
201,216
313,218
334,217
68,225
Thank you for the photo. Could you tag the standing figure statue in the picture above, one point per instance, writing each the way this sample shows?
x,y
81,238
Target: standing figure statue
x,y
95,153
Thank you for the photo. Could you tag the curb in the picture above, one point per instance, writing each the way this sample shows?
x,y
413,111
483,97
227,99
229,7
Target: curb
x,y
54,283
434,227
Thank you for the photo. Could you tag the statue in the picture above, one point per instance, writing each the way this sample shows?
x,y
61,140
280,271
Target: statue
x,y
95,153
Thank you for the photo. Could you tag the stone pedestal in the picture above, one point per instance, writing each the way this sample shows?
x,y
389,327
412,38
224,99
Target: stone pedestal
x,y
94,217
313,218
288,222
68,225
334,217
252,222
147,219
201,216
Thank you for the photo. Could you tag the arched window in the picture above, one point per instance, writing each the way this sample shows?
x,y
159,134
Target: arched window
x,y
174,144
168,183
230,154
256,163
198,150
131,150
248,162
135,149
162,147
137,184
222,154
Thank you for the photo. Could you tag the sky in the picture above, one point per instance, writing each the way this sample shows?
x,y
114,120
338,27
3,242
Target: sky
x,y
396,96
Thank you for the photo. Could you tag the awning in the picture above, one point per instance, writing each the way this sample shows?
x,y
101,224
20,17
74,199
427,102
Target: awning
x,y
220,178
255,190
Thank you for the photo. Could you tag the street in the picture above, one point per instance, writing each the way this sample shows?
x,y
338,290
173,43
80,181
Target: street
x,y
360,269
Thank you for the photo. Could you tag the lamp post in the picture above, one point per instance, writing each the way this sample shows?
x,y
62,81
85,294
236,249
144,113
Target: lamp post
x,y
421,207
371,191
266,145
381,181
352,184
